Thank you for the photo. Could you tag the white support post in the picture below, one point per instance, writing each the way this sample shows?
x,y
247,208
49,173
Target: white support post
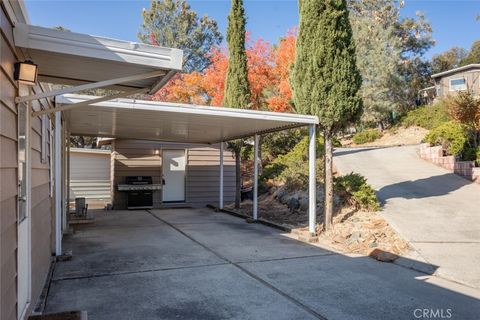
x,y
64,180
67,177
255,177
58,184
220,200
312,189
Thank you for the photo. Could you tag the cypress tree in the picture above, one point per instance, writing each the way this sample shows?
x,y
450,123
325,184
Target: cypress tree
x,y
237,89
325,78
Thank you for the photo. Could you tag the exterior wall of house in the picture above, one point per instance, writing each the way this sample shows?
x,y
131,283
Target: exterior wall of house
x,y
90,176
42,214
41,202
138,157
472,78
8,171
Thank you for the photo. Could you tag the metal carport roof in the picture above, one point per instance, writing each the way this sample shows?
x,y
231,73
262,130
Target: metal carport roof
x,y
153,120
73,58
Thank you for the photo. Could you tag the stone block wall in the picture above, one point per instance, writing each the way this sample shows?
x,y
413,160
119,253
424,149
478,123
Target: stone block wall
x,y
435,155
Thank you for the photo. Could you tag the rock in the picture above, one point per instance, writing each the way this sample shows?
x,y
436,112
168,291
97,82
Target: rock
x,y
303,203
280,193
355,236
383,256
293,204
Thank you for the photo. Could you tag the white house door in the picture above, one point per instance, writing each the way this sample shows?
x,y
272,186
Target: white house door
x,y
173,167
23,213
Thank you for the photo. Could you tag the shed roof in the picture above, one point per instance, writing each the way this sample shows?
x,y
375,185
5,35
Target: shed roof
x,y
175,122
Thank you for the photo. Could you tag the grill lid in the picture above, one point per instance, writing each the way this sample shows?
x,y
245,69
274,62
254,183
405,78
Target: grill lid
x,y
138,180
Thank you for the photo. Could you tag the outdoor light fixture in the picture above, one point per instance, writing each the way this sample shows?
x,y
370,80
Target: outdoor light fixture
x,y
26,72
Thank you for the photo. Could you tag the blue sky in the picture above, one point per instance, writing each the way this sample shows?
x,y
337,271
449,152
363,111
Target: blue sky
x,y
453,21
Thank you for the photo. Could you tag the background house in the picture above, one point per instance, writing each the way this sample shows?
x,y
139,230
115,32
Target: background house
x,y
458,79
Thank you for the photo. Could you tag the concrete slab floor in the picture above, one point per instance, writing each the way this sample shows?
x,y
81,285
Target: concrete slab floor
x,y
197,264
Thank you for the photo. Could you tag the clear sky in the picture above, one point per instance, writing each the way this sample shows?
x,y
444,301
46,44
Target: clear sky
x,y
453,21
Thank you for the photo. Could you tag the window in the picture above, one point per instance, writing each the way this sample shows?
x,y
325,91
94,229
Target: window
x,y
458,84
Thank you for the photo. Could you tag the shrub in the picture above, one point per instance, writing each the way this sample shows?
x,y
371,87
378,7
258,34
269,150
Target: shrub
x,y
450,135
367,136
356,186
427,117
465,108
292,168
471,154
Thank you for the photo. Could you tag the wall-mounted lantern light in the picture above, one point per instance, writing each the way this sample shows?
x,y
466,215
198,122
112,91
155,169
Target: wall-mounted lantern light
x,y
26,72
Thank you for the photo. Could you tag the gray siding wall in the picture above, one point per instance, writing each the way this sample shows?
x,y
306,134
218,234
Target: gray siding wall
x,y
41,213
139,157
8,172
472,78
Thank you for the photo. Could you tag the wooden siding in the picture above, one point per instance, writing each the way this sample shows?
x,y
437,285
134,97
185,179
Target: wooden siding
x,y
8,173
139,157
42,205
41,208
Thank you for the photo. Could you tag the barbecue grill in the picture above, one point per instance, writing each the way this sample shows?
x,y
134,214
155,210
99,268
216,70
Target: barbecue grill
x,y
139,191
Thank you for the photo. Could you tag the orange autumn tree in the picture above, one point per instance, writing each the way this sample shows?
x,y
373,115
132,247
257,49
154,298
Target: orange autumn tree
x,y
284,56
260,72
268,69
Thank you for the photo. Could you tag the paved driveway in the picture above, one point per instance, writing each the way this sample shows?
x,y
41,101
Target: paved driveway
x,y
197,264
437,211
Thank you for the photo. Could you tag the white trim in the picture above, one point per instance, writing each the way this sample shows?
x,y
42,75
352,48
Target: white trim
x,y
453,79
220,200
58,185
467,67
89,86
255,176
192,109
24,249
90,102
312,188
83,45
86,150
44,131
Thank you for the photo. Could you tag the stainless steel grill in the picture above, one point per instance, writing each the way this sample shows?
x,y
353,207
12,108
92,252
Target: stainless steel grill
x,y
139,191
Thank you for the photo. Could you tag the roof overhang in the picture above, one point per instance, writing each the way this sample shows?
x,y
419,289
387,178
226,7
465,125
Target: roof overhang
x,y
71,58
174,122
474,66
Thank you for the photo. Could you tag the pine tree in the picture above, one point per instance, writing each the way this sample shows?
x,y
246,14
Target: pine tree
x,y
378,49
325,77
237,90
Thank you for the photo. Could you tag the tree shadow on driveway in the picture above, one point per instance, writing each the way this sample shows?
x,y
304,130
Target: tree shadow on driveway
x,y
422,188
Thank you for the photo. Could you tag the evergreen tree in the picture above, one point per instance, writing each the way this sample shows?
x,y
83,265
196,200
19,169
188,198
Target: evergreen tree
x,y
237,90
325,77
378,56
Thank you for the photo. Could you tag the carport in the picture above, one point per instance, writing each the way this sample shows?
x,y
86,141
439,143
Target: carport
x,y
87,62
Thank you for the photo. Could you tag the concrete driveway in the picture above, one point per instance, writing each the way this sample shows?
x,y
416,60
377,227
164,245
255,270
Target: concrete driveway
x,y
197,264
437,211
